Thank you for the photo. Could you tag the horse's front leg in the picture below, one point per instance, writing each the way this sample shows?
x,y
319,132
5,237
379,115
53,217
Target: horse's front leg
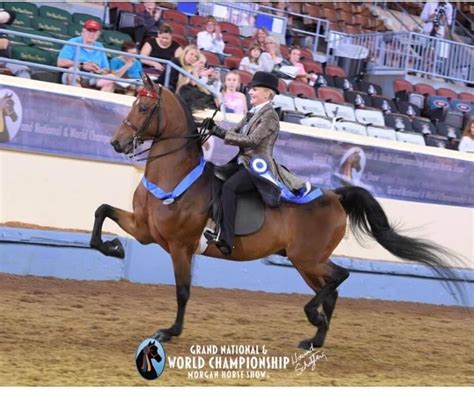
x,y
126,220
182,261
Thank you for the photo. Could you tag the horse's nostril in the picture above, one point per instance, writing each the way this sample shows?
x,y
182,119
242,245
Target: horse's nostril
x,y
116,146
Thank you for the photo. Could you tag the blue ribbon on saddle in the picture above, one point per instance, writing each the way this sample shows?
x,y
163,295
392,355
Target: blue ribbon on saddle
x,y
183,185
260,167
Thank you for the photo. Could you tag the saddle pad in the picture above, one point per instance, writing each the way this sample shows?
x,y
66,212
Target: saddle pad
x,y
250,214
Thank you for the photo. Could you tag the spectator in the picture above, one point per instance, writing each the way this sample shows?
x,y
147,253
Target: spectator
x,y
467,141
259,37
127,68
251,63
210,39
7,18
271,57
148,21
301,75
436,16
194,94
162,46
234,101
93,61
186,60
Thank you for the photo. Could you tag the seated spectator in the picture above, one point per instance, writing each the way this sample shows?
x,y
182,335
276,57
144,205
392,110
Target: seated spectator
x,y
186,60
251,63
93,61
195,95
271,57
127,68
301,75
234,101
467,141
259,38
148,22
162,46
210,39
7,18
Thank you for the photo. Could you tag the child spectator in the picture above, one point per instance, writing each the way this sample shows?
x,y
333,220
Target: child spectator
x,y
467,141
127,67
234,101
294,58
251,63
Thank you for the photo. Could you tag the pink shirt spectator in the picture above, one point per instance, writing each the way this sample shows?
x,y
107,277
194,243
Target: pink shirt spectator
x,y
236,102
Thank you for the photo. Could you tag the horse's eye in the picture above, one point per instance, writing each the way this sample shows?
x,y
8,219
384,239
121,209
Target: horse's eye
x,y
143,108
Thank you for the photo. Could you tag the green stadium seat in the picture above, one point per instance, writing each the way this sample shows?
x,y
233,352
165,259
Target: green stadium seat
x,y
24,8
114,38
42,43
74,30
55,13
14,39
32,54
49,25
22,21
80,18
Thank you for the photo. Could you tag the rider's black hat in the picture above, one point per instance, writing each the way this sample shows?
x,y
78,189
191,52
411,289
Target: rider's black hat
x,y
265,79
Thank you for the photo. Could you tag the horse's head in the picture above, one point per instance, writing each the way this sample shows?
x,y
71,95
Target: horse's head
x,y
8,106
145,120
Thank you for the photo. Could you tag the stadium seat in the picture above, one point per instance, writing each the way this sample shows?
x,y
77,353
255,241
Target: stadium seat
x,y
331,94
370,88
358,99
381,133
234,51
245,77
282,87
423,126
402,85
198,20
446,130
412,138
466,97
450,94
232,62
333,70
306,54
285,103
211,58
370,117
312,66
232,40
247,41
115,38
42,43
398,122
307,106
462,106
323,80
32,54
351,127
26,9
176,16
435,141
178,28
301,89
22,22
346,84
385,104
340,112
74,30
436,107
406,108
284,51
425,89
55,13
53,26
180,39
229,27
80,18
316,121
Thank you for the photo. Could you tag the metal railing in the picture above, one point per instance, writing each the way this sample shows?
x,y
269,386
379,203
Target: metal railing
x,y
414,52
75,69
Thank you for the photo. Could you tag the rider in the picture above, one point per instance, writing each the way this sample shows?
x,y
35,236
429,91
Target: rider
x,y
255,135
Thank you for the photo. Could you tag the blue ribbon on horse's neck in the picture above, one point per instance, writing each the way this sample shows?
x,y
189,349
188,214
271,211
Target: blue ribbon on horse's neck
x,y
183,185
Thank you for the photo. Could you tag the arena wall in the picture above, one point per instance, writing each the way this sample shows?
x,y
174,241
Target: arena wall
x,y
57,192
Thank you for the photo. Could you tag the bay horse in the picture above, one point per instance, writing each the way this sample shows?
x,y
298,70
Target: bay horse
x,y
307,234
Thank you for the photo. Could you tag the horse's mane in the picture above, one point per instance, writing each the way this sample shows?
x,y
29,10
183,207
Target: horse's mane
x,y
188,113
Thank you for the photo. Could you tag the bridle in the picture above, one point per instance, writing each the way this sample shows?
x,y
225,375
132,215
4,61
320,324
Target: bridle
x,y
138,136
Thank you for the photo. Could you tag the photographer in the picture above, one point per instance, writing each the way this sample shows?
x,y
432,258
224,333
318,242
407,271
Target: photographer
x,y
436,17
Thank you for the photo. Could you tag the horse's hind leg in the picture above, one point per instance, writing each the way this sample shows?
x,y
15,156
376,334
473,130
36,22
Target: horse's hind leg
x,y
126,220
324,279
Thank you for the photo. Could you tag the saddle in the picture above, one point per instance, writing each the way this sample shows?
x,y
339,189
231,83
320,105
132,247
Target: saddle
x,y
250,206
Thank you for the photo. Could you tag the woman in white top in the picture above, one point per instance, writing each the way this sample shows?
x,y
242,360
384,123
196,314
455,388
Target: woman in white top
x,y
467,141
251,63
272,55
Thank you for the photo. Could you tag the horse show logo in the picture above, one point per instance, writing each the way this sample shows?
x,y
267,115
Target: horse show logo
x,y
11,115
150,359
463,107
441,103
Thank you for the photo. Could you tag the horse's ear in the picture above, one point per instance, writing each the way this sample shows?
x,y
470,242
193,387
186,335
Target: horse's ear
x,y
147,81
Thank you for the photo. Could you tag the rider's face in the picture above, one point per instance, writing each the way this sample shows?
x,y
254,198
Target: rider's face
x,y
259,95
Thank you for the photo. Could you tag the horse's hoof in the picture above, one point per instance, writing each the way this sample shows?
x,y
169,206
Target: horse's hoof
x,y
162,336
113,248
306,344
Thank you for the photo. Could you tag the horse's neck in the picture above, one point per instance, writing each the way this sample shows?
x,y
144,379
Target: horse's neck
x,y
169,170
347,169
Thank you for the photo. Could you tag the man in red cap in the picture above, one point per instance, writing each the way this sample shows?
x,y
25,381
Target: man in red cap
x,y
94,61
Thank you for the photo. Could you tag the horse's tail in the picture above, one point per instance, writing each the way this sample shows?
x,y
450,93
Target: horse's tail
x,y
367,216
